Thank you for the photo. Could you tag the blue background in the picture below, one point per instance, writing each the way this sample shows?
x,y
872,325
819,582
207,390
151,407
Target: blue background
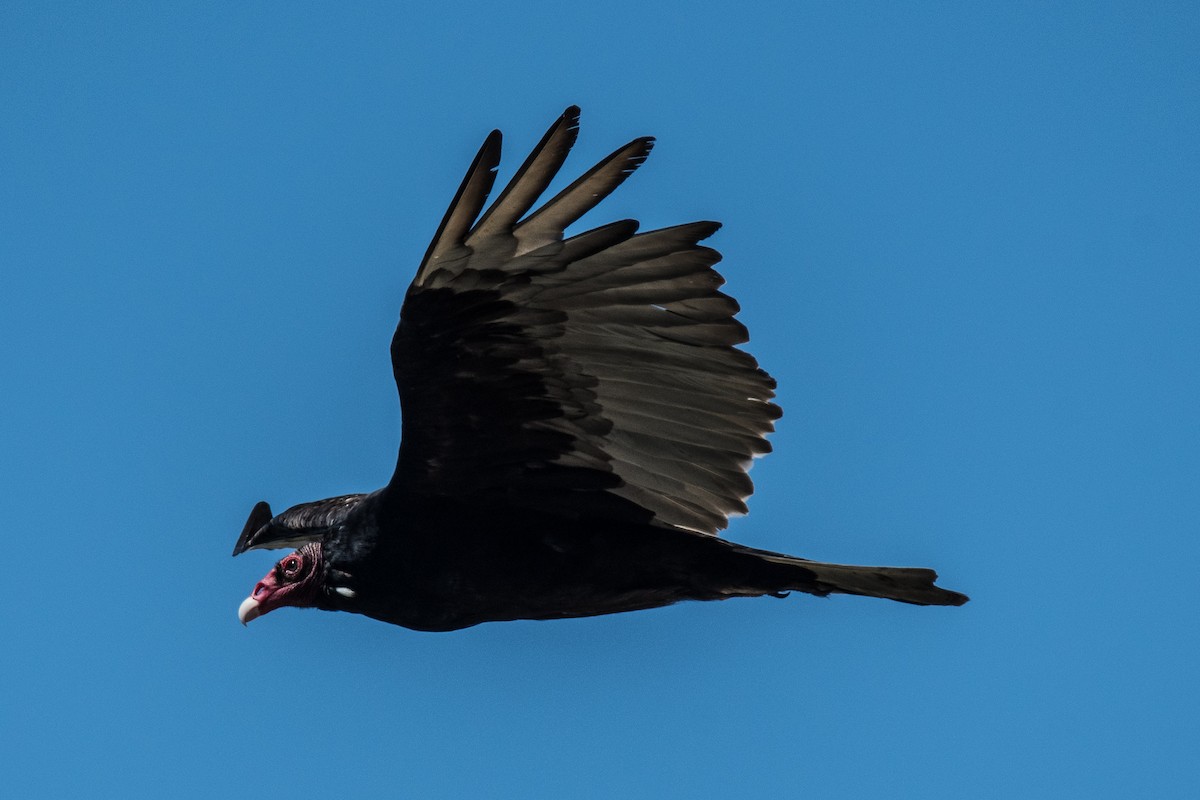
x,y
965,237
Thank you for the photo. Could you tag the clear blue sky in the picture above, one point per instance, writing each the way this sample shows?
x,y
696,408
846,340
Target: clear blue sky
x,y
966,239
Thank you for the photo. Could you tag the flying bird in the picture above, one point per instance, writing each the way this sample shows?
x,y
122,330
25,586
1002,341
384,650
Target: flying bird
x,y
577,427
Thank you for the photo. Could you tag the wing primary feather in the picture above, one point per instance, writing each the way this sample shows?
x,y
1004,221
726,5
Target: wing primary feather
x,y
464,208
547,224
531,179
597,240
259,515
306,522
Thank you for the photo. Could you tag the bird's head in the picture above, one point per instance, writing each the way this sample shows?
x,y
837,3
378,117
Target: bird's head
x,y
295,580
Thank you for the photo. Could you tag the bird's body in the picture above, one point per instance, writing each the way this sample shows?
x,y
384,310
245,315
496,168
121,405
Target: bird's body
x,y
578,424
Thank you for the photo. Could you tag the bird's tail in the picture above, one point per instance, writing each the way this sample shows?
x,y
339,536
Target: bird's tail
x,y
906,584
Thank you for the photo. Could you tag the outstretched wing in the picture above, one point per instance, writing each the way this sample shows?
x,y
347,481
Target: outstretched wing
x,y
594,375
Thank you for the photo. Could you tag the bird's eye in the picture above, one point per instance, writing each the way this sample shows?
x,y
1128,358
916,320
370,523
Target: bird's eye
x,y
291,566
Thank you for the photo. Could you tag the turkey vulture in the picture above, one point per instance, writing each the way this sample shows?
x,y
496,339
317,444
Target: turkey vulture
x,y
577,428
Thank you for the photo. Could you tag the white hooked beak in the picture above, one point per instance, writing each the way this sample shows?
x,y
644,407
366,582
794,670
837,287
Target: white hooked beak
x,y
248,610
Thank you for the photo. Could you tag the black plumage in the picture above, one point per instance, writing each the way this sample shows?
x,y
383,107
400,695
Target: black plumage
x,y
578,423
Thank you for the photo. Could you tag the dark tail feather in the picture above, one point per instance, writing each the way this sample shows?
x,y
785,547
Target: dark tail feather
x,y
906,584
